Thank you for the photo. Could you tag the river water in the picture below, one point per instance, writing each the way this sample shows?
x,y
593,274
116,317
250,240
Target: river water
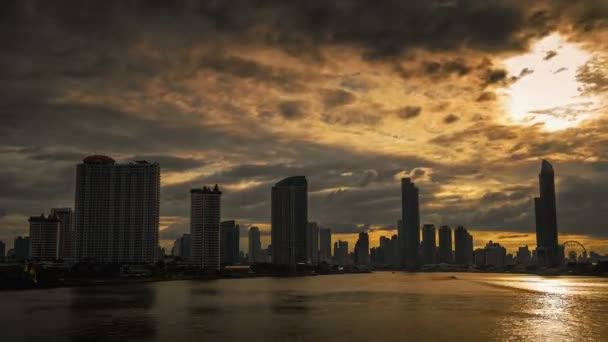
x,y
381,306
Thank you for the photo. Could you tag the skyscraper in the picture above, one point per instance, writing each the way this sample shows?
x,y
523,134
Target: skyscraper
x,y
325,247
255,246
362,249
66,231
289,220
312,242
229,243
205,213
2,251
445,244
548,251
463,242
181,247
117,211
22,248
429,244
44,238
341,252
410,221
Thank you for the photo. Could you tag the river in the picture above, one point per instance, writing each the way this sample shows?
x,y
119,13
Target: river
x,y
381,306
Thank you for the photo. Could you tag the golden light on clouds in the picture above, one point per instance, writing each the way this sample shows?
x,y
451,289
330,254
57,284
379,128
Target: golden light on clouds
x,y
546,90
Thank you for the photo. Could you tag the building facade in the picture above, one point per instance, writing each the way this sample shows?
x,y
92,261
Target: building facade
x,y
429,244
66,232
409,235
445,245
463,241
229,243
362,256
548,249
117,211
255,246
325,244
289,220
312,242
21,248
341,253
205,214
44,238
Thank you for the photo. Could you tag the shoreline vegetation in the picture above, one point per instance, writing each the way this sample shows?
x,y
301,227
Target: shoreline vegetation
x,y
18,276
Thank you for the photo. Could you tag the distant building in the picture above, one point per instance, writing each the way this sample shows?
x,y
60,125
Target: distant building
x,y
325,246
205,213
181,247
548,250
22,248
429,244
361,252
312,242
289,219
479,257
495,254
66,232
229,243
44,238
464,246
116,216
409,235
341,252
524,256
445,245
255,246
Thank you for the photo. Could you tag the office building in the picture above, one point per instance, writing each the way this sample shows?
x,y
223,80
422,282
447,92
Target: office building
x,y
255,246
289,220
445,245
116,216
361,252
312,242
181,247
229,243
429,244
479,257
325,246
548,250
495,254
44,238
341,256
2,251
409,235
463,242
523,256
205,214
66,232
21,248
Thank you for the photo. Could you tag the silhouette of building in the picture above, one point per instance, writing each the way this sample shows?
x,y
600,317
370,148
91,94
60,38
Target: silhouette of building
x,y
312,242
495,254
524,256
205,214
445,245
463,242
255,246
409,234
325,247
66,232
181,247
429,244
21,248
548,250
2,251
341,253
289,220
117,211
44,238
361,252
479,257
229,243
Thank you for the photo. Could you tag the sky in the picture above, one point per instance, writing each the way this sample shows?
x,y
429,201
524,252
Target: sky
x,y
465,97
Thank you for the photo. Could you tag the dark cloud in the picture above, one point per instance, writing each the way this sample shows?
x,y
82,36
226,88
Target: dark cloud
x,y
450,119
486,96
409,112
173,163
550,54
292,110
495,76
337,97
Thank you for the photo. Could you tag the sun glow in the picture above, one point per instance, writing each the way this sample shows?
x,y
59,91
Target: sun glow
x,y
545,89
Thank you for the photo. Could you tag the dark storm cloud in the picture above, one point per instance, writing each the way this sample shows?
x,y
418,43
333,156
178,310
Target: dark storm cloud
x,y
450,119
337,97
409,112
486,96
453,67
495,76
173,163
292,110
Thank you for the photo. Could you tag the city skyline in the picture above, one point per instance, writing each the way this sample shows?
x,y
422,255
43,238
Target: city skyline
x,y
466,111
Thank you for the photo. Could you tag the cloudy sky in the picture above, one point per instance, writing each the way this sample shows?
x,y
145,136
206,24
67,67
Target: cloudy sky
x,y
466,97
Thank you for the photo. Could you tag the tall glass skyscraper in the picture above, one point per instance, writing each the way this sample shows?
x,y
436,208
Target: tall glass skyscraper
x,y
205,213
409,234
289,220
548,251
